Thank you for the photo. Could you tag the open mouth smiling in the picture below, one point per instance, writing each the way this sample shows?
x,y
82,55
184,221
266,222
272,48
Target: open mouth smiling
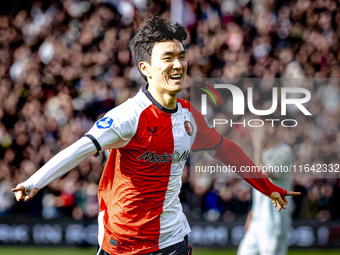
x,y
176,77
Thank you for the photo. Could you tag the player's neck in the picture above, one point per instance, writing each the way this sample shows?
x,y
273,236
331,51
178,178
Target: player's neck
x,y
163,98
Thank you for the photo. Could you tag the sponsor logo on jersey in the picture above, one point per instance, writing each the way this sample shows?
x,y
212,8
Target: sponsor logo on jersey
x,y
188,127
104,123
175,157
152,132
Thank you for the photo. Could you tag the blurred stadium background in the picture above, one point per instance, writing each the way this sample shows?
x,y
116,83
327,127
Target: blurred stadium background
x,y
63,64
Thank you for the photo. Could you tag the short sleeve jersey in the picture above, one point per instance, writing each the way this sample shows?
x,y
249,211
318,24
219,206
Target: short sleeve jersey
x,y
140,211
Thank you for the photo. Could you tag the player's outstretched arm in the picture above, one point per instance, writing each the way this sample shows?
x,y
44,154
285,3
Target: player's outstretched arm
x,y
60,164
231,153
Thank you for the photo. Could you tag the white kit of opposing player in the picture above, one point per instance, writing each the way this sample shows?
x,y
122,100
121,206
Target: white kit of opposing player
x,y
268,229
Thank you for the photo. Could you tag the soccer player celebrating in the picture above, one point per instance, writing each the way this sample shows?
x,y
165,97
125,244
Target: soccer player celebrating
x,y
149,138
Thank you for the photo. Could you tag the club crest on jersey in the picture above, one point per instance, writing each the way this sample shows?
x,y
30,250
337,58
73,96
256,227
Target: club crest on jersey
x,y
174,157
104,123
188,127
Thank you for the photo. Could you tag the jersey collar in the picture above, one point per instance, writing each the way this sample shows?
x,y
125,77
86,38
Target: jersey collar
x,y
158,105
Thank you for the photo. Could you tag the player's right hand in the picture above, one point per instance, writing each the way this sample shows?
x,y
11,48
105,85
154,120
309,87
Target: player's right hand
x,y
282,202
20,193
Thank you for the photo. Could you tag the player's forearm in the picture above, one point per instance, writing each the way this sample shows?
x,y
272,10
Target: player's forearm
x,y
61,163
231,153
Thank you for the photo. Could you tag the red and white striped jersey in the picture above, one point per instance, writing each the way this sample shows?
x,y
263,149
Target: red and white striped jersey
x,y
140,211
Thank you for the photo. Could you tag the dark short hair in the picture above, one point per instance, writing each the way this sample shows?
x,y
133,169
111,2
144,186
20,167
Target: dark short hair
x,y
156,29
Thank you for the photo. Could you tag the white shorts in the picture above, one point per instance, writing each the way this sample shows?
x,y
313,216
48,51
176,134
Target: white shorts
x,y
257,242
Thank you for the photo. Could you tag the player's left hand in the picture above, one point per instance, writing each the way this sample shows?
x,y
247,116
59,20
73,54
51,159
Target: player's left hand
x,y
277,199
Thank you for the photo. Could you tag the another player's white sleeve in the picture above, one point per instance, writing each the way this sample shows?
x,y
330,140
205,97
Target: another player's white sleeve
x,y
61,163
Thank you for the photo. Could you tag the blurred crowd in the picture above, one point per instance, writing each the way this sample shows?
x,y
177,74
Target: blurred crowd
x,y
65,63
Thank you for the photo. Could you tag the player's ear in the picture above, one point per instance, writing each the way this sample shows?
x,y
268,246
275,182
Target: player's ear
x,y
145,69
